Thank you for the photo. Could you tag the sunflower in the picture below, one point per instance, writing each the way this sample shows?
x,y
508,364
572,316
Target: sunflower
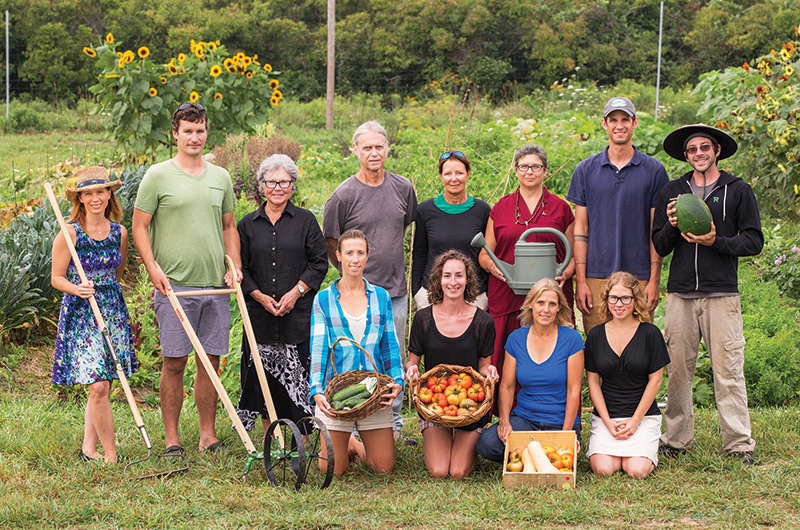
x,y
192,45
788,70
200,50
215,71
181,58
163,80
247,61
268,67
273,84
194,96
109,38
277,94
90,52
217,95
143,52
274,101
249,75
746,67
211,46
229,65
153,92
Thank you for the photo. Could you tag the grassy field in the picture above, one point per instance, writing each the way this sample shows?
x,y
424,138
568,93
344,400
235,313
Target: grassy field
x,y
43,485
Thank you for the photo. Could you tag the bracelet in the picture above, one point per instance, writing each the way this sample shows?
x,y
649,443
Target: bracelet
x,y
580,263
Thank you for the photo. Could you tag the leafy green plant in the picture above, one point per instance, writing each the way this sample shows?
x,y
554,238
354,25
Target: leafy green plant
x,y
145,331
137,95
759,105
18,299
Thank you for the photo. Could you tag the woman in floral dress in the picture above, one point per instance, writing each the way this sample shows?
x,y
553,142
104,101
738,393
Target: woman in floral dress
x,y
80,355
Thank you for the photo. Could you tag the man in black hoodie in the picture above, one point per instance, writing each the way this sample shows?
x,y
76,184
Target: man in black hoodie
x,y
703,300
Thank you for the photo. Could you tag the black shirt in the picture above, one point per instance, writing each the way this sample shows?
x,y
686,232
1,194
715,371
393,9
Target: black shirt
x,y
625,376
274,258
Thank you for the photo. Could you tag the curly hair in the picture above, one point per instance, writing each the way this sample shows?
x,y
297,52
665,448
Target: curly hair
x,y
629,281
435,291
564,315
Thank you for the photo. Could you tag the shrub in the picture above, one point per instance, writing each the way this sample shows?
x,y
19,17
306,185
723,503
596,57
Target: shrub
x,y
137,96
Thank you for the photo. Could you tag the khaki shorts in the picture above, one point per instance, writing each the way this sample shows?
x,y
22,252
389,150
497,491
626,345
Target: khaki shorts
x,y
382,419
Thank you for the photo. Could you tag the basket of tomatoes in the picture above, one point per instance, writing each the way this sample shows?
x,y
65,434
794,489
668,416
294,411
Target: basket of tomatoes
x,y
453,396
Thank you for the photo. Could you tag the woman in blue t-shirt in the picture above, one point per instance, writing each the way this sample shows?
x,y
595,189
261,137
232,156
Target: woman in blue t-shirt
x,y
545,356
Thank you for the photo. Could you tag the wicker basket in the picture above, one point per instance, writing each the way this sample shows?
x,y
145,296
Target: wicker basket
x,y
351,377
484,406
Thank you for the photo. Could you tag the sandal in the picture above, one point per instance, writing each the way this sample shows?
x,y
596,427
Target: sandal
x,y
173,450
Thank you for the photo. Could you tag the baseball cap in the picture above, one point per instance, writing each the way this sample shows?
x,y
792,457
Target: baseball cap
x,y
619,103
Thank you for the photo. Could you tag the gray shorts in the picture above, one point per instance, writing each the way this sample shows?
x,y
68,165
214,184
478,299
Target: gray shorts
x,y
209,316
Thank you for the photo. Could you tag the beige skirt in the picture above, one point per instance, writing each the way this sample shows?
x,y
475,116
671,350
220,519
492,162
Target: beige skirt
x,y
644,441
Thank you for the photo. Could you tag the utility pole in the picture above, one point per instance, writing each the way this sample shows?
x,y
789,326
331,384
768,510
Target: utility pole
x,y
658,68
329,85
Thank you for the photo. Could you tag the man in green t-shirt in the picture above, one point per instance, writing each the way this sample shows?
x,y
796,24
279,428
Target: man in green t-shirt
x,y
183,226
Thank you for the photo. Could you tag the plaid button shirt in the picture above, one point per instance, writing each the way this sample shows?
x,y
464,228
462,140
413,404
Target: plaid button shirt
x,y
329,323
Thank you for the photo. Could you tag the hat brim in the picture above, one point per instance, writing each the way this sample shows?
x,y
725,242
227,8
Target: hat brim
x,y
675,141
113,185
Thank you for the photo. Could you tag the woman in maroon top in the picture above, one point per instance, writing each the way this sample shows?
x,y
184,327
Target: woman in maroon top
x,y
531,205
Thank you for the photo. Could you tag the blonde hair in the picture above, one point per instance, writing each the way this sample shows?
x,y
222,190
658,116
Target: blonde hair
x,y
629,281
78,212
564,315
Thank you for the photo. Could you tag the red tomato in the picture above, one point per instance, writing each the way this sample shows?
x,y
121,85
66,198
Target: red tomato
x,y
440,399
438,385
432,382
465,380
476,392
451,410
452,380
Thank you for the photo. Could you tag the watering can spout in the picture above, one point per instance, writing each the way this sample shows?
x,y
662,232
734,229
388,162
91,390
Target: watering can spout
x,y
480,242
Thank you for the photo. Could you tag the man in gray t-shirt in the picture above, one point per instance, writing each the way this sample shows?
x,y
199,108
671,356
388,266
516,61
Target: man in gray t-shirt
x,y
380,204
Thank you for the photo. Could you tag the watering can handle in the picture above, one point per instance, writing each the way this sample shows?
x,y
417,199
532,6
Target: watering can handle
x,y
547,230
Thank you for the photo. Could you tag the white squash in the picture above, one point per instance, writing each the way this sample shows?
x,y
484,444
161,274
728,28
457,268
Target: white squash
x,y
540,459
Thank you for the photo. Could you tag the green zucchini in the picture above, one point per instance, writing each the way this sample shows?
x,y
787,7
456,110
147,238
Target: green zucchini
x,y
336,405
349,391
358,399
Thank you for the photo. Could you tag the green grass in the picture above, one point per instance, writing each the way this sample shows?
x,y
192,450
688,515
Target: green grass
x,y
43,484
25,158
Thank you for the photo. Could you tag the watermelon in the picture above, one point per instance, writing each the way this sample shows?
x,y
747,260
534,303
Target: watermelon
x,y
693,215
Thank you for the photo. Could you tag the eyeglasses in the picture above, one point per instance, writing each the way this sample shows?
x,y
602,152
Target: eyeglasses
x,y
448,154
524,168
692,149
282,184
626,300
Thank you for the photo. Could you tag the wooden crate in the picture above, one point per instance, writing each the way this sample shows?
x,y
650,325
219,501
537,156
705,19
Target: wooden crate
x,y
520,439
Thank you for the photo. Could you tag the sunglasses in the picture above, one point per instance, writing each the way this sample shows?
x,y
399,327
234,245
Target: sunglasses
x,y
189,105
692,149
448,154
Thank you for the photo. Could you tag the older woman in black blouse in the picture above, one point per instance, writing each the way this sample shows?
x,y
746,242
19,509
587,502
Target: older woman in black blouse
x,y
284,260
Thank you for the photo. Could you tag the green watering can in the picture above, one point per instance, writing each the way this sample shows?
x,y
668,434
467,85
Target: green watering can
x,y
532,261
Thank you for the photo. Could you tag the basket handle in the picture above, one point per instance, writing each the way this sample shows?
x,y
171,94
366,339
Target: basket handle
x,y
357,345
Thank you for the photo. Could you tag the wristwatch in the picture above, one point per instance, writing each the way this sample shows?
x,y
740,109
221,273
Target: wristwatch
x,y
301,289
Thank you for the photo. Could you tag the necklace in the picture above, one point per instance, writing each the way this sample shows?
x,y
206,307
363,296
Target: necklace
x,y
536,210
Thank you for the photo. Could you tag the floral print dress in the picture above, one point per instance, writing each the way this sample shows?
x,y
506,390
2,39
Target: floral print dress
x,y
80,354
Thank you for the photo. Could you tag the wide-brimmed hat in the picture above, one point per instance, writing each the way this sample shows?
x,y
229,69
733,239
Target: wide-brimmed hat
x,y
91,178
675,142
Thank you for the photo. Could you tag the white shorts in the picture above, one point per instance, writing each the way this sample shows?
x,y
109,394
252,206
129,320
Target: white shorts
x,y
382,419
644,441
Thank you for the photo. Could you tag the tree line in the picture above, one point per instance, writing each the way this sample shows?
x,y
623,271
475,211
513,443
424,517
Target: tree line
x,y
495,48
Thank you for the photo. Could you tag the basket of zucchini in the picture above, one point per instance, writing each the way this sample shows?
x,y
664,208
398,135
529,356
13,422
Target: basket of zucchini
x,y
355,394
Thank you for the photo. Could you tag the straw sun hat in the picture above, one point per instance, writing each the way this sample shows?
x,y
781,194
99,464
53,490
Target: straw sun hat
x,y
91,178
